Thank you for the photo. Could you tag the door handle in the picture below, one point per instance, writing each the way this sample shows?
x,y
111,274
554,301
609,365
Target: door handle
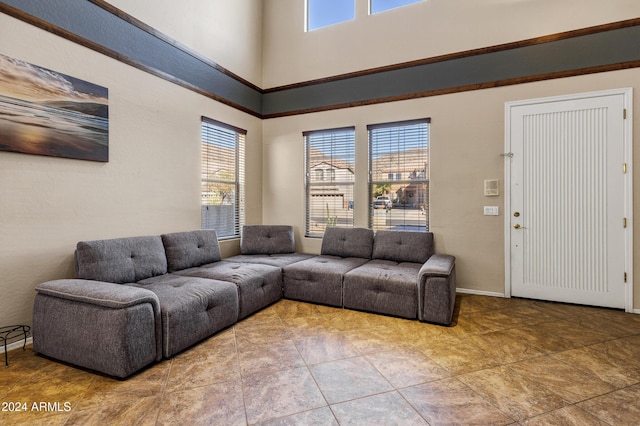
x,y
517,226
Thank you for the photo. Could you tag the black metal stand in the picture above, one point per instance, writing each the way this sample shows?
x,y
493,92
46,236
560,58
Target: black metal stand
x,y
11,332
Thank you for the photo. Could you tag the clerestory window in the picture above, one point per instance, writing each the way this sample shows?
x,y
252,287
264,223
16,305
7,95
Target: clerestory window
x,y
322,13
377,6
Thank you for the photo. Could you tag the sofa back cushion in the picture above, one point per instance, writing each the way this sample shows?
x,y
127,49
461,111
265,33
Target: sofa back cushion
x,y
120,260
189,249
267,239
347,242
403,246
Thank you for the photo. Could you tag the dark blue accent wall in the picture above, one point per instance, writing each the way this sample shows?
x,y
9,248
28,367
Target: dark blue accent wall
x,y
132,44
578,53
97,25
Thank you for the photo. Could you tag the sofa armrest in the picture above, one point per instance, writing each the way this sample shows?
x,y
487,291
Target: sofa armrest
x,y
437,289
108,295
112,328
440,265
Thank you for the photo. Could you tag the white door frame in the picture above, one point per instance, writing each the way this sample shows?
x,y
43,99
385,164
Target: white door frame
x,y
627,94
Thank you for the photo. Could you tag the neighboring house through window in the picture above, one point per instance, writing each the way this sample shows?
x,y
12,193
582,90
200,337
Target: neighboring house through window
x,y
399,150
329,164
222,178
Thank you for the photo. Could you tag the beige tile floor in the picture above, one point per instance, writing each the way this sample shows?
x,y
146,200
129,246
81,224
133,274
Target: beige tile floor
x,y
503,361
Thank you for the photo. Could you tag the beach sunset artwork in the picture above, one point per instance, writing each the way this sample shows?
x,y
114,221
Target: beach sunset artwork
x,y
44,112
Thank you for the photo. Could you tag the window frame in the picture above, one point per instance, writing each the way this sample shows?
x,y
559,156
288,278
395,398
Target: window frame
x,y
376,179
208,126
330,184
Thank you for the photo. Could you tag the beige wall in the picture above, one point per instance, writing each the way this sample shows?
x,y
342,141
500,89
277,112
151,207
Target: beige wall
x,y
467,138
229,32
467,130
422,30
149,186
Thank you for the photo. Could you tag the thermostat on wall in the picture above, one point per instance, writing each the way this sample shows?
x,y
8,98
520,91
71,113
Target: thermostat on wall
x,y
491,188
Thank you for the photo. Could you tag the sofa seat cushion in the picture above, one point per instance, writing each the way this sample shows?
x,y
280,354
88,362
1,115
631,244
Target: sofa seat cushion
x,y
258,285
384,287
318,279
120,260
278,260
189,249
192,309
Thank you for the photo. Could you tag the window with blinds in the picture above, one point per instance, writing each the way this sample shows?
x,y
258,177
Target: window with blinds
x,y
399,175
329,164
222,178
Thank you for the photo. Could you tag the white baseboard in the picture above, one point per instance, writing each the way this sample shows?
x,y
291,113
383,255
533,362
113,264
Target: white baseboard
x,y
15,345
492,294
479,292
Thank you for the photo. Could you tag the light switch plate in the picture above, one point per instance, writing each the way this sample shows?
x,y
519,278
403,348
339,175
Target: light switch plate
x,y
491,211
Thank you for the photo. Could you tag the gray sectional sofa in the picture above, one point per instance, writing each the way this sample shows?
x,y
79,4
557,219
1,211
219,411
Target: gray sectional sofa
x,y
137,300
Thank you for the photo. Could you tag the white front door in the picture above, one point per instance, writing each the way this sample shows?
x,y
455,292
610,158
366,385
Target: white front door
x,y
569,219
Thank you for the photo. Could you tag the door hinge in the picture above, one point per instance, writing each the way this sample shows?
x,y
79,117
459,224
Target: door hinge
x,y
624,168
624,222
625,277
624,114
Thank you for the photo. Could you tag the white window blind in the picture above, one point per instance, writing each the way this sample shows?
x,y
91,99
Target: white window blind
x,y
222,178
399,173
329,163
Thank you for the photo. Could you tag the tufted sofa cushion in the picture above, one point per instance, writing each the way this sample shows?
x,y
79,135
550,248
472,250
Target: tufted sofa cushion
x,y
191,308
188,249
347,242
383,286
267,239
257,285
120,260
318,279
402,246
